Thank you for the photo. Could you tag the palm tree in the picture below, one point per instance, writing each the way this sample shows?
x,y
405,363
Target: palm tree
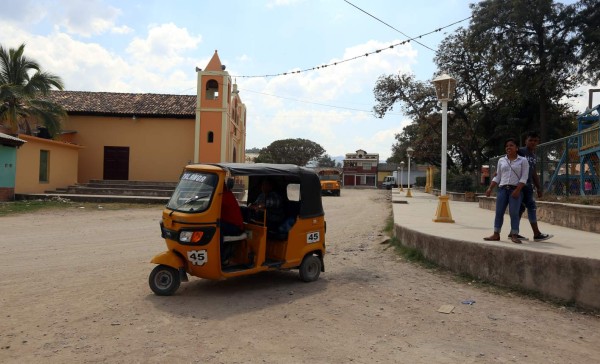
x,y
23,87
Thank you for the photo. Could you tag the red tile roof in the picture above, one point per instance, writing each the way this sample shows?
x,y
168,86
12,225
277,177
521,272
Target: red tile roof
x,y
120,104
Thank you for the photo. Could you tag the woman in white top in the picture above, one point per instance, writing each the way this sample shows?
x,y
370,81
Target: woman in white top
x,y
511,176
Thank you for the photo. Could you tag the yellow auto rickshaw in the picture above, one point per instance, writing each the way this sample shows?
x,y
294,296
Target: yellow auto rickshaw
x,y
191,226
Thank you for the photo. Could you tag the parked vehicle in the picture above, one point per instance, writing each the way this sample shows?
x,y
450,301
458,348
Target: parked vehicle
x,y
391,181
330,182
192,230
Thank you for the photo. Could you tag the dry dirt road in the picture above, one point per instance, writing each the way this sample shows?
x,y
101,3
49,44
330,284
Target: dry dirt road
x,y
74,290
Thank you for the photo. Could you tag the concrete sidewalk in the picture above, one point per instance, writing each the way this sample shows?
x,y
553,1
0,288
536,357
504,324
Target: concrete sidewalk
x,y
472,223
566,266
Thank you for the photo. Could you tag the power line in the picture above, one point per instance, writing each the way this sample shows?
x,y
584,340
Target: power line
x,y
310,102
302,101
381,21
187,89
353,58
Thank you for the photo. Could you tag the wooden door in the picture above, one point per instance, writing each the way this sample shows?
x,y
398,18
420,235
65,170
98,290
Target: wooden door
x,y
116,163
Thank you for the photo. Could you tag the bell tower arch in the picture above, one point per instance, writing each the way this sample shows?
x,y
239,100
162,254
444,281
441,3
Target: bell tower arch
x,y
217,118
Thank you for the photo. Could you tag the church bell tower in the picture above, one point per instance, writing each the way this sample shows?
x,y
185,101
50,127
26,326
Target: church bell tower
x,y
220,129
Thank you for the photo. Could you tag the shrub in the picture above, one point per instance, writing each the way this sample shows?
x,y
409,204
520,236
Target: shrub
x,y
456,182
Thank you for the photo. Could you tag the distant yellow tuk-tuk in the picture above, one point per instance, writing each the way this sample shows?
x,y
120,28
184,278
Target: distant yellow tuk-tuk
x,y
191,226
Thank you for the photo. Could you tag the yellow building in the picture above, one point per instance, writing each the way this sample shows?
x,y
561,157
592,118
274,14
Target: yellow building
x,y
140,137
44,164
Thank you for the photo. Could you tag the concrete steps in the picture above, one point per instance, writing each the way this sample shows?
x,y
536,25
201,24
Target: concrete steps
x,y
110,191
120,191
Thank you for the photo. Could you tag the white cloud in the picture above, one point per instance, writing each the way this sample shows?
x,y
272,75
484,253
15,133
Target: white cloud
x,y
87,18
158,62
348,78
163,47
338,130
244,58
580,102
81,18
85,66
22,11
82,66
123,29
381,141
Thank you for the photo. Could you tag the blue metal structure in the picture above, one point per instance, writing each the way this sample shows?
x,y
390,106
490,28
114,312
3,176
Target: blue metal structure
x,y
579,161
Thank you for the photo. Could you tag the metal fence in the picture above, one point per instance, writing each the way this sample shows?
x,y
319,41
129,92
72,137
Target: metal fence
x,y
569,166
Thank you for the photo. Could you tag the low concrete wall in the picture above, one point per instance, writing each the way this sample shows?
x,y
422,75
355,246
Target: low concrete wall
x,y
457,196
580,217
567,278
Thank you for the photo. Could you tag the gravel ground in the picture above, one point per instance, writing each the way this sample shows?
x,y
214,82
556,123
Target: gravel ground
x,y
75,289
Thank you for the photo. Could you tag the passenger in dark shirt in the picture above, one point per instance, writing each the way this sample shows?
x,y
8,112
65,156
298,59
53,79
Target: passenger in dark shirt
x,y
528,200
270,201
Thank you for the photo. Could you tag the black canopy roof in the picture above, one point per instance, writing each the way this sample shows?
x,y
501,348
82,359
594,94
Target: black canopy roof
x,y
310,186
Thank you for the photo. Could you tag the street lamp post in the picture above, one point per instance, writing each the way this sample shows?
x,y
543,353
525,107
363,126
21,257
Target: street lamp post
x,y
427,180
409,153
401,175
444,90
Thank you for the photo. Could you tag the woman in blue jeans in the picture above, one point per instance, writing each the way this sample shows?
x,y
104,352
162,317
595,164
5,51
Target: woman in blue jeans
x,y
511,176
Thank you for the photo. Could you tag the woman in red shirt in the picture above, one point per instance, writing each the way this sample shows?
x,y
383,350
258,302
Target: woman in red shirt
x,y
232,223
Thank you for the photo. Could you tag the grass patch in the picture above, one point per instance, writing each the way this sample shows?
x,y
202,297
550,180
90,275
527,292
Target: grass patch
x,y
30,206
415,256
388,229
411,254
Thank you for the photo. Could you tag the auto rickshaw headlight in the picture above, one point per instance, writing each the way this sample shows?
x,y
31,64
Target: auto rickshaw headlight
x,y
190,236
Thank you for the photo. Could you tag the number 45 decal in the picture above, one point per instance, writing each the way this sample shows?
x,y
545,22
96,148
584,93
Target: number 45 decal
x,y
313,237
197,257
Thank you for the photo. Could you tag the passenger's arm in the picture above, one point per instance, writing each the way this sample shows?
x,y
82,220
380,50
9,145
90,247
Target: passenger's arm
x,y
488,192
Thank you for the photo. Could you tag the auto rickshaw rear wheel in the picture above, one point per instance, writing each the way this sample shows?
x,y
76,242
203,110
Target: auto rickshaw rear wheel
x,y
164,280
310,268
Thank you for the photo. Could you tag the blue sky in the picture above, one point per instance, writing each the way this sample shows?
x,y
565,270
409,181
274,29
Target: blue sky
x,y
155,46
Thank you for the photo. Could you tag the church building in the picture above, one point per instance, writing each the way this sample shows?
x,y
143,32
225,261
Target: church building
x,y
139,137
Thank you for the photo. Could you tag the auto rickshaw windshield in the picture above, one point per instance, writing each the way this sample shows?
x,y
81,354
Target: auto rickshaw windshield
x,y
194,192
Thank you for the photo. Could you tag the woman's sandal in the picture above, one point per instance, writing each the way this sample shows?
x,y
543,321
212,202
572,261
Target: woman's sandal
x,y
491,238
515,239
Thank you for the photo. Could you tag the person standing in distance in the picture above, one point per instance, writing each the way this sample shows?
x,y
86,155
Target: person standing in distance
x,y
528,151
512,173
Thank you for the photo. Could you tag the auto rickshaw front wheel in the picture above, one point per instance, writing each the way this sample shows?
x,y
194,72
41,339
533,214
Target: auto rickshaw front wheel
x,y
164,280
310,268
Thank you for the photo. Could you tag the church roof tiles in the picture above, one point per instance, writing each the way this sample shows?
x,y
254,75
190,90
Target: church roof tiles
x,y
125,104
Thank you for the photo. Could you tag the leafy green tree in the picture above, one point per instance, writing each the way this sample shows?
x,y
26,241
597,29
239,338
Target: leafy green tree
x,y
291,151
253,150
23,86
587,20
536,46
264,157
479,119
504,87
418,101
325,161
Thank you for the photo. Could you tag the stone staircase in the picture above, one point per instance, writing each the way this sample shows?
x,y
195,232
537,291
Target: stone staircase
x,y
110,191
